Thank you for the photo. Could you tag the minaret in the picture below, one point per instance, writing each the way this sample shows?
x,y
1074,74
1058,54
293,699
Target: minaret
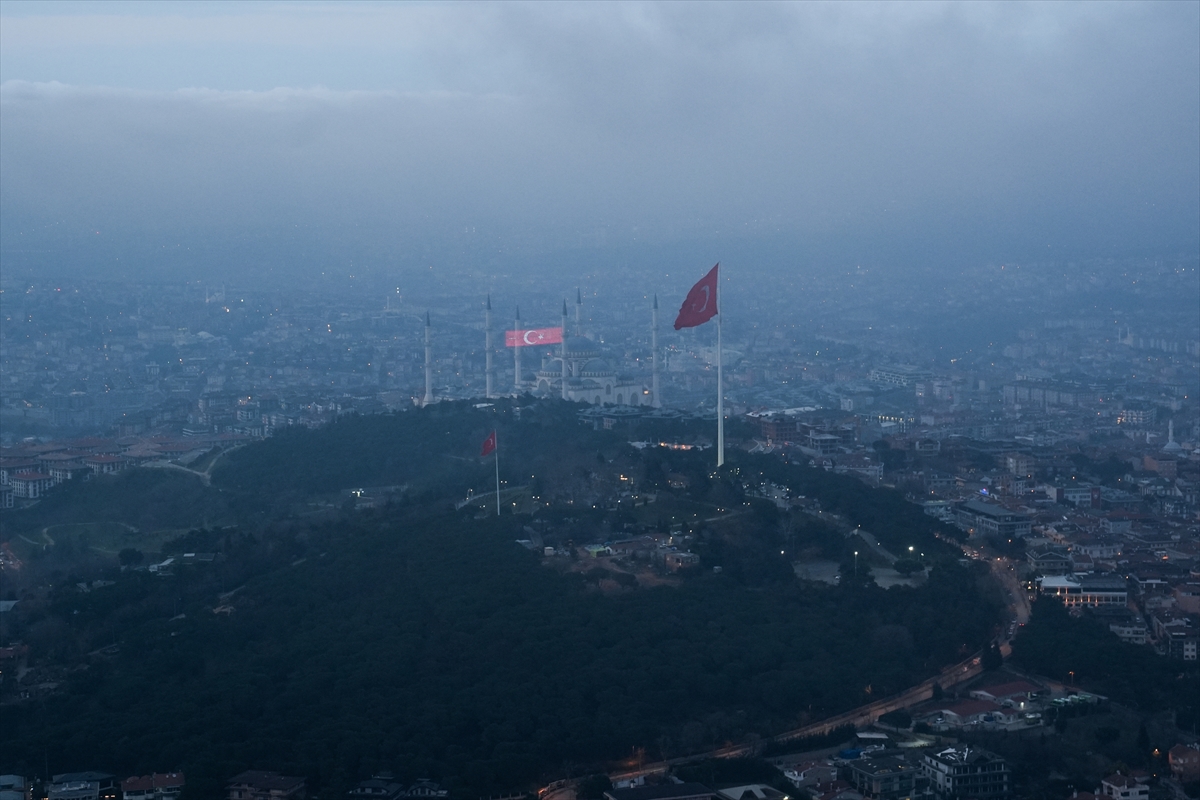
x,y
517,356
564,351
487,331
428,362
1171,446
656,399
578,313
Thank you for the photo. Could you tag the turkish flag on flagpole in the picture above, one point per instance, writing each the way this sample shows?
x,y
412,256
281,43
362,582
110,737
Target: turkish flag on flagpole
x,y
700,305
489,445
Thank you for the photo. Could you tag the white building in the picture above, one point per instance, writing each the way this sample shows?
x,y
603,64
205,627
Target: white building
x,y
1086,590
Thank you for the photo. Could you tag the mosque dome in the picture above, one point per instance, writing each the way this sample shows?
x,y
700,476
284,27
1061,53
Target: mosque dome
x,y
597,367
580,347
552,368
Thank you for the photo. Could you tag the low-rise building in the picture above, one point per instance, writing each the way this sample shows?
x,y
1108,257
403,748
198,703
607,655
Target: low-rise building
x,y
260,785
378,787
103,464
1012,694
668,791
1184,760
1127,624
83,786
989,519
1187,597
1048,560
159,786
30,485
754,791
966,713
967,772
14,787
885,778
1124,787
811,773
1086,590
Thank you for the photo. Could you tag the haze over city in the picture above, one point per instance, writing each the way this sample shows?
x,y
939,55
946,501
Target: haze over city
x,y
599,401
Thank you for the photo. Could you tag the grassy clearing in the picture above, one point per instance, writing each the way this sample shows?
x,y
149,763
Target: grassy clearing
x,y
111,537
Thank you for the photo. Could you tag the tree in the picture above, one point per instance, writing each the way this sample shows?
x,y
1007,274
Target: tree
x,y
993,659
130,557
900,718
1143,739
593,787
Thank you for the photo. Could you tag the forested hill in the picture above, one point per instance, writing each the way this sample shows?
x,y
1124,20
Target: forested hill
x,y
435,450
424,640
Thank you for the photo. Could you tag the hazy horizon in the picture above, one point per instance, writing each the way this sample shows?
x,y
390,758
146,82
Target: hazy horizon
x,y
276,141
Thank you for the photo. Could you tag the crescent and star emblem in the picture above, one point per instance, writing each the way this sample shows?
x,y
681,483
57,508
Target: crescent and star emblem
x,y
707,295
526,337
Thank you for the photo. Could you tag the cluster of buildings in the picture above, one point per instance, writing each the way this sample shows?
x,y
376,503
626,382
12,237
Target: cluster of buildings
x,y
1104,517
880,771
28,469
883,771
1131,556
190,359
84,358
248,785
94,786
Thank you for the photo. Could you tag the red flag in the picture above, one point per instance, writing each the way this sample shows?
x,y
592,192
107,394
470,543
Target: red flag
x,y
533,336
700,305
489,445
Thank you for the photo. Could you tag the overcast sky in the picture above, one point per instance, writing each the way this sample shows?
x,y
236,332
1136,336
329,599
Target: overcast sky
x,y
245,137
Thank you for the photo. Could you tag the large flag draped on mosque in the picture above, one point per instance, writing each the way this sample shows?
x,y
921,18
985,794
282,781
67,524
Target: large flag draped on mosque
x,y
700,305
532,337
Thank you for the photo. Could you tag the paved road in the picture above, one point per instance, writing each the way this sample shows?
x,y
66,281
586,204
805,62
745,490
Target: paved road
x,y
874,544
858,717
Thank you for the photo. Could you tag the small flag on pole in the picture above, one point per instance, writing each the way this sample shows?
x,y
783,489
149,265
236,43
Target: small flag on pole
x,y
533,337
489,445
700,305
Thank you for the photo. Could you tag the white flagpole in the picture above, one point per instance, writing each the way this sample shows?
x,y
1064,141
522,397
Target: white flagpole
x,y
720,386
497,476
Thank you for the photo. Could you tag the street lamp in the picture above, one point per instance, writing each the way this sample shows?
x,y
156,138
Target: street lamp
x,y
856,563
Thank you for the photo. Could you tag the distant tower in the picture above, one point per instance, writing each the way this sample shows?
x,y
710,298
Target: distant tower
x,y
656,400
487,328
428,361
564,351
517,357
578,314
1171,446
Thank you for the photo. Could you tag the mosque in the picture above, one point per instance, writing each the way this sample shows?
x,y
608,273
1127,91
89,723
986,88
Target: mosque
x,y
582,372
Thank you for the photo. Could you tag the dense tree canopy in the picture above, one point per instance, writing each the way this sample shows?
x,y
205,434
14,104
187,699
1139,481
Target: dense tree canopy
x,y
1084,652
424,640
